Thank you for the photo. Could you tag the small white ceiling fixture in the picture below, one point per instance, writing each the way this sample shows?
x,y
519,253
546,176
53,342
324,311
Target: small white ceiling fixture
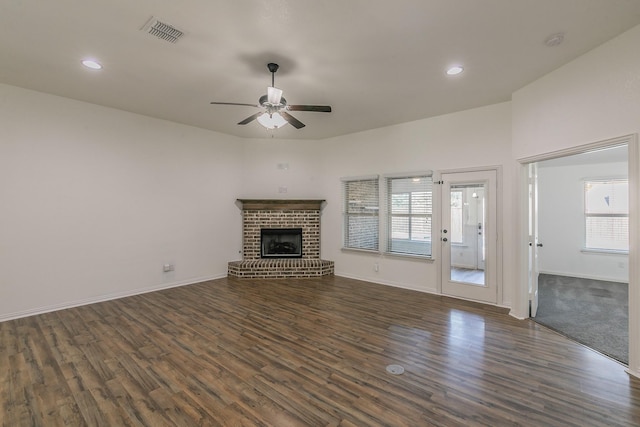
x,y
455,70
554,40
92,63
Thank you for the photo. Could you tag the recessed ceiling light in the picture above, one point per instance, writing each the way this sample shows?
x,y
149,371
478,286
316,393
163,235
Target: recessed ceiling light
x,y
90,63
455,70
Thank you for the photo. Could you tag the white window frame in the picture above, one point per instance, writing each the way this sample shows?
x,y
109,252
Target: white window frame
x,y
410,247
365,208
587,215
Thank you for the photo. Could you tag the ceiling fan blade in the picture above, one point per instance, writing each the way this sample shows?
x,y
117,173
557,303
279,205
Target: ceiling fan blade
x,y
250,118
318,108
234,103
294,122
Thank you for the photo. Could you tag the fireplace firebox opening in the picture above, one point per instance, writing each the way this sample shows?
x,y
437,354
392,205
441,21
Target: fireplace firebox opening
x,y
281,243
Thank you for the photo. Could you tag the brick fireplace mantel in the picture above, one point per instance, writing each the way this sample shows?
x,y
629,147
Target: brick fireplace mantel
x,y
279,213
280,204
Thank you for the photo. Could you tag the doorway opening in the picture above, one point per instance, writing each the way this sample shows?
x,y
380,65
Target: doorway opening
x,y
578,247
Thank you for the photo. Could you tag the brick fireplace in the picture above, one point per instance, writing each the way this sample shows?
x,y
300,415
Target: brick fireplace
x,y
280,214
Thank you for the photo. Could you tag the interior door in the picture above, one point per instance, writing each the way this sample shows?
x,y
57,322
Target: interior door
x,y
469,205
534,243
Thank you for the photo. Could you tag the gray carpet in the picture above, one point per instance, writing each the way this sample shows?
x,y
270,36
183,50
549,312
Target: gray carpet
x,y
592,312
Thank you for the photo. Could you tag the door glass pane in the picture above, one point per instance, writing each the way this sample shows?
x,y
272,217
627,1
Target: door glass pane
x,y
467,234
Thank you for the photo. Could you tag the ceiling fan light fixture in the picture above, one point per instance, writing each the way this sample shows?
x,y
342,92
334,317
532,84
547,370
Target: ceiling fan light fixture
x,y
272,121
274,95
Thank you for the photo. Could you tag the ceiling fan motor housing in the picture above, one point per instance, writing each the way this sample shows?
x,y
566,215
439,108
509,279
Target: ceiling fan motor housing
x,y
264,101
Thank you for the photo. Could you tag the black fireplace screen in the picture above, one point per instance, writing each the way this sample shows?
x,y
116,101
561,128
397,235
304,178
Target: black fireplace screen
x,y
281,243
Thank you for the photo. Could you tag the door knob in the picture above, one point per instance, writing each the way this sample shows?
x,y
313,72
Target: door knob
x,y
444,239
539,245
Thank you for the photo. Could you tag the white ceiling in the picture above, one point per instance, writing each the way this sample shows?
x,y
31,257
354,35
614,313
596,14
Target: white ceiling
x,y
376,62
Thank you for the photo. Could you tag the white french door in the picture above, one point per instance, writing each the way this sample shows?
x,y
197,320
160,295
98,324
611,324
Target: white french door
x,y
469,235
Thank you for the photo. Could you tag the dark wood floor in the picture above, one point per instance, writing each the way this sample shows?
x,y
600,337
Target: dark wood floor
x,y
306,352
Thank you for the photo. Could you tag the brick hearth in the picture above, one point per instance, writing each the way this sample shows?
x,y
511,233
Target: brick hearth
x,y
258,214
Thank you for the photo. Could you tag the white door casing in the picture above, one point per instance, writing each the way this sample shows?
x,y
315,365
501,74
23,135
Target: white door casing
x,y
534,243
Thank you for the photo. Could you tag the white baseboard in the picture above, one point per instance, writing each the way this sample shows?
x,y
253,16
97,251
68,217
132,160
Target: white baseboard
x,y
102,298
515,315
584,276
388,283
633,372
431,291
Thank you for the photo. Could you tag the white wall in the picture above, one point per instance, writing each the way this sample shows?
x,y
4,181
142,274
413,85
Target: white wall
x,y
282,169
96,200
561,223
593,98
473,138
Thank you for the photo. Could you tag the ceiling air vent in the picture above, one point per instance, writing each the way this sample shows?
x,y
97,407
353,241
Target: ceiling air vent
x,y
162,30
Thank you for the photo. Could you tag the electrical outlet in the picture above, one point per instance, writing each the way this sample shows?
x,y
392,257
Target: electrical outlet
x,y
168,267
376,267
282,189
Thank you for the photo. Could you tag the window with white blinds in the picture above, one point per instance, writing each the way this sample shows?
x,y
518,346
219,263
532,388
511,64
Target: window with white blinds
x,y
361,213
606,212
409,208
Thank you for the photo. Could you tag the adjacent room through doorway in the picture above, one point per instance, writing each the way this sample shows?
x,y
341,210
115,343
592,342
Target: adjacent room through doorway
x,y
582,228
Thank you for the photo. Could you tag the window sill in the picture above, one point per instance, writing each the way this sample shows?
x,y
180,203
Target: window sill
x,y
604,251
362,251
427,258
411,256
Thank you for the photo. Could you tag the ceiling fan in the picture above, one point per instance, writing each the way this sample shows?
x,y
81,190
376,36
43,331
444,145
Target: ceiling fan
x,y
274,114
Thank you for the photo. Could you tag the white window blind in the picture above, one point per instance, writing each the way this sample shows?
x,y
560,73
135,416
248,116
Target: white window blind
x,y
409,208
361,210
606,211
